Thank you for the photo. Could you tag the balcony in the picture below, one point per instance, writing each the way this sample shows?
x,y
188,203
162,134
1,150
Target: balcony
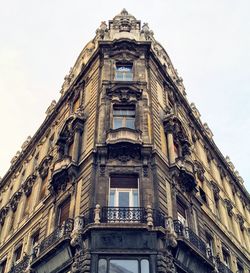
x,y
123,215
223,268
21,266
188,235
124,134
58,235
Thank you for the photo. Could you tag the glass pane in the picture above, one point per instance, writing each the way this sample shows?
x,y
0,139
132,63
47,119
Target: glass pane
x,y
102,266
117,122
123,199
123,266
112,198
144,266
130,123
135,199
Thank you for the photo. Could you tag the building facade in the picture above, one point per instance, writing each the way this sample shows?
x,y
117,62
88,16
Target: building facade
x,y
122,176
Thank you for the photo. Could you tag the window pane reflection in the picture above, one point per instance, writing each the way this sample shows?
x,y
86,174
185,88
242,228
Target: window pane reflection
x,y
144,266
102,266
124,266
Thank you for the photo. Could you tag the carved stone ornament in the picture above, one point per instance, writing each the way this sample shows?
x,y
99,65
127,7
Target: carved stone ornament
x,y
124,22
15,200
241,222
199,170
124,152
28,184
43,168
148,34
229,162
195,111
14,159
26,143
216,191
208,130
165,262
173,125
51,108
102,31
3,214
124,93
229,207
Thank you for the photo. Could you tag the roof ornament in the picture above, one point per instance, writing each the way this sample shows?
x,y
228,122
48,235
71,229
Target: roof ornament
x,y
51,108
102,31
148,34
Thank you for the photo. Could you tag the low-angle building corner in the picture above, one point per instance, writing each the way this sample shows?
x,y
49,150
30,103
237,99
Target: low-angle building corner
x,y
123,176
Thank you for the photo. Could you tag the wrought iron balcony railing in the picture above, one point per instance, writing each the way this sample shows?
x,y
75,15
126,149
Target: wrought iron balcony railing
x,y
54,237
123,215
222,268
193,238
21,266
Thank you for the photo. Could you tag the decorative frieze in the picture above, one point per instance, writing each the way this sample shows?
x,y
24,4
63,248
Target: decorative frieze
x,y
3,214
229,207
44,166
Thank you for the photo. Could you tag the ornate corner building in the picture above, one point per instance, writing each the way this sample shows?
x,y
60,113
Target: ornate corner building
x,y
122,176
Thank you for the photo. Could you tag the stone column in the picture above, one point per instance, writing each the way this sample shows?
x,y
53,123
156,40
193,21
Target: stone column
x,y
20,209
246,238
223,214
76,145
37,190
236,228
6,225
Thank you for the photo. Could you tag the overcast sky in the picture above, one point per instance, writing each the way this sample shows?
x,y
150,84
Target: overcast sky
x,y
207,41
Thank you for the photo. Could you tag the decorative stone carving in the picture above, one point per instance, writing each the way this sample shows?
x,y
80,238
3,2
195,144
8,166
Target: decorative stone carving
x,y
148,34
3,214
28,184
124,152
14,159
43,168
195,111
26,143
125,22
171,234
229,207
199,170
165,262
229,162
216,191
51,108
241,222
173,124
15,200
102,31
207,130
124,94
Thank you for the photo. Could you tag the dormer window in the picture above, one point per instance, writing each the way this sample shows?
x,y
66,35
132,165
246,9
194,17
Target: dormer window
x,y
124,116
124,72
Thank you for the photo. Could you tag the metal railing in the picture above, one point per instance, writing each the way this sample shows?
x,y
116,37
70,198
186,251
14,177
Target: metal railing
x,y
193,238
56,235
123,214
21,266
223,268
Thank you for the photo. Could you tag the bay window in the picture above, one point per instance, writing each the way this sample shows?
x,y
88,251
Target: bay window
x,y
124,116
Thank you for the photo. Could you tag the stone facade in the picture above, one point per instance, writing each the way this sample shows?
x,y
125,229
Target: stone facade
x,y
122,176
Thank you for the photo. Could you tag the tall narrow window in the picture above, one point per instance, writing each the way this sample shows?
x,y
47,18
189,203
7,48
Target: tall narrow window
x,y
226,257
63,212
34,240
124,72
182,214
123,191
210,245
124,116
17,254
3,266
240,267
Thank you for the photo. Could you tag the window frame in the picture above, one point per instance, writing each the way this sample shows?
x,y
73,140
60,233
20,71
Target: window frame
x,y
59,211
126,258
3,265
124,76
17,248
123,189
124,117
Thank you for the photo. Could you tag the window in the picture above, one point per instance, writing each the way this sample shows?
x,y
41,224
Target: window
x,y
226,257
123,191
34,239
63,212
3,266
17,254
123,265
182,214
124,72
240,267
210,245
203,195
124,116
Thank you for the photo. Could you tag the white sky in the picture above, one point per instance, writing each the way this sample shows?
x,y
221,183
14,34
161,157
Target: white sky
x,y
208,42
